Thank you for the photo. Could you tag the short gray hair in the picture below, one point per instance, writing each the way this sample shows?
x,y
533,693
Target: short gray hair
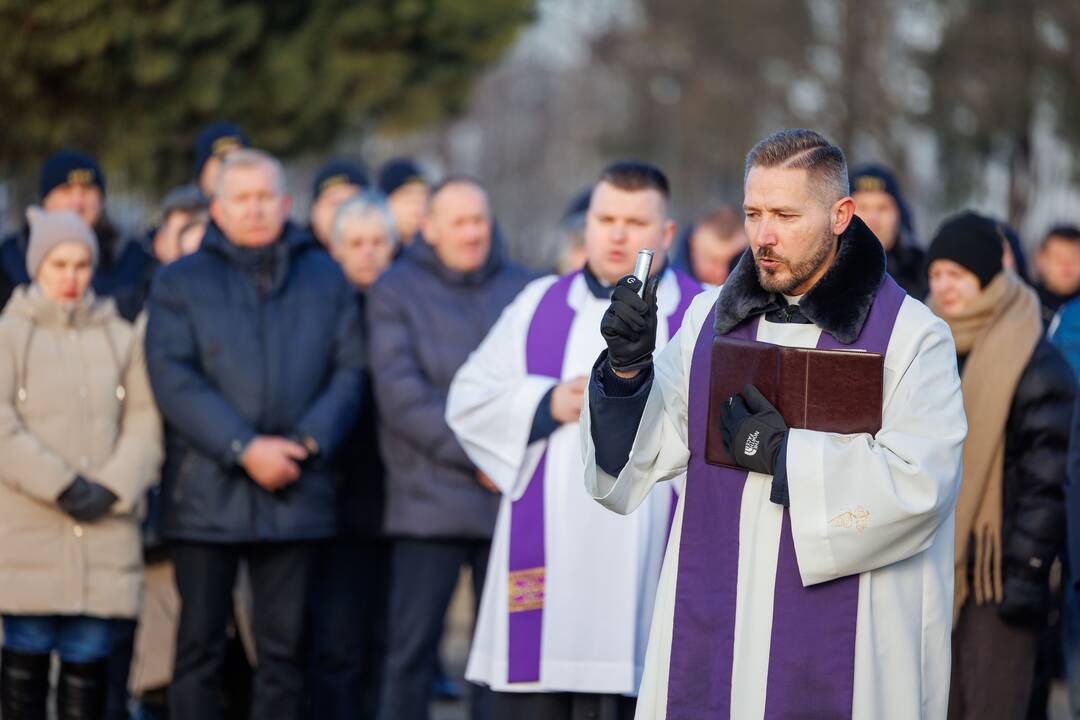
x,y
246,158
808,150
360,207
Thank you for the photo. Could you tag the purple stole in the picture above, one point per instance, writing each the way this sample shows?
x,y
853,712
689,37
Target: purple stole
x,y
812,655
688,289
545,351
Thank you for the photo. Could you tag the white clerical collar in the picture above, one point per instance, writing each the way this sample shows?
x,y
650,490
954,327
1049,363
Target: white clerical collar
x,y
794,299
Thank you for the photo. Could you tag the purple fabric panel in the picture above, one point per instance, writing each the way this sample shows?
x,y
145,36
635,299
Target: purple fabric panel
x,y
703,638
545,345
688,290
812,656
525,627
545,349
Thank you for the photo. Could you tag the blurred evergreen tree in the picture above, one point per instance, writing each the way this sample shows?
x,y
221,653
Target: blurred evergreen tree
x,y
134,80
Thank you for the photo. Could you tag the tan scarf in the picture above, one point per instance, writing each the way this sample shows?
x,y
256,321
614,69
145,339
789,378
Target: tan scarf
x,y
998,333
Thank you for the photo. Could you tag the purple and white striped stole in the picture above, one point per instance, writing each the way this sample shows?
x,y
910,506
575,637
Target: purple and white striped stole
x,y
545,350
812,655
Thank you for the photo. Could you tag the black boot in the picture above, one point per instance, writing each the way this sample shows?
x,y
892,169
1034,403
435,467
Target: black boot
x,y
24,685
81,691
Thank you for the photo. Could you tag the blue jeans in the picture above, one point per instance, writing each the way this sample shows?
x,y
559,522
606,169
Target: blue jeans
x,y
77,638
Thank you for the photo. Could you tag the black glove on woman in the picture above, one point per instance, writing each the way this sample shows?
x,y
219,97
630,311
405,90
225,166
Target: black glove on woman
x,y
85,500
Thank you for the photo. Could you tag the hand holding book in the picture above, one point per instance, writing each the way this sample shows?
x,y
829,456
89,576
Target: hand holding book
x,y
837,391
753,430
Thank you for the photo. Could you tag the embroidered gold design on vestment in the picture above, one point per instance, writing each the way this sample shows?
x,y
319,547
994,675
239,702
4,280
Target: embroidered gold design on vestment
x,y
859,519
526,589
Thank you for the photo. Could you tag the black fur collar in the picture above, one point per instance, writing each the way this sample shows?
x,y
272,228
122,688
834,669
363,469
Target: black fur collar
x,y
838,304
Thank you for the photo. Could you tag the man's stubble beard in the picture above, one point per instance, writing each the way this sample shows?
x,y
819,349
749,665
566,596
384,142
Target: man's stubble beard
x,y
801,272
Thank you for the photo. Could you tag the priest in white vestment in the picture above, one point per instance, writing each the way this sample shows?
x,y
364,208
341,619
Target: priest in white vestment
x,y
816,578
563,622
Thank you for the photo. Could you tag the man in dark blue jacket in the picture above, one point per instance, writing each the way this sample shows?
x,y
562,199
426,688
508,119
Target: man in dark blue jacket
x,y
254,353
426,314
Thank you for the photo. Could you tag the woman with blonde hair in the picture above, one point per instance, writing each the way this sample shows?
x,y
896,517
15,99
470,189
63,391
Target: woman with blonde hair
x,y
80,439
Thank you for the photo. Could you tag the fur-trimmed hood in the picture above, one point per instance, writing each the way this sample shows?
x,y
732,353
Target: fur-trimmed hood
x,y
838,303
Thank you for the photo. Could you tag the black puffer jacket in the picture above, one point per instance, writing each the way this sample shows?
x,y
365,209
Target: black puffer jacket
x,y
1072,500
1036,454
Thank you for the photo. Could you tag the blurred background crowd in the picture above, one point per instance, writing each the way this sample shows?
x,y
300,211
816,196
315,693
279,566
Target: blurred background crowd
x,y
255,241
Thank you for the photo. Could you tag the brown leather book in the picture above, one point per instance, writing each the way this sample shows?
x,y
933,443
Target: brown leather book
x,y
836,391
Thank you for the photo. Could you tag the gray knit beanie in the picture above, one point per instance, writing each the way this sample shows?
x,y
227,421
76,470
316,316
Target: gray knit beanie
x,y
49,228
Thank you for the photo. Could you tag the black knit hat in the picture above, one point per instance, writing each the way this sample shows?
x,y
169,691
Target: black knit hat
x,y
397,173
216,139
339,172
971,240
69,166
873,177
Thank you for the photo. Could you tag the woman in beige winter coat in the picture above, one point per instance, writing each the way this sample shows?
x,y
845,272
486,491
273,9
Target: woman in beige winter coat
x,y
80,443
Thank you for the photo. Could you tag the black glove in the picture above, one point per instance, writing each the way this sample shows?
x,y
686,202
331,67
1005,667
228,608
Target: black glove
x,y
85,500
753,430
1025,599
629,325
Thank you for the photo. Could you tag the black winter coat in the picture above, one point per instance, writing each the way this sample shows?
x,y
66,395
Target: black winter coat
x,y
906,262
244,342
1072,498
424,320
1036,453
